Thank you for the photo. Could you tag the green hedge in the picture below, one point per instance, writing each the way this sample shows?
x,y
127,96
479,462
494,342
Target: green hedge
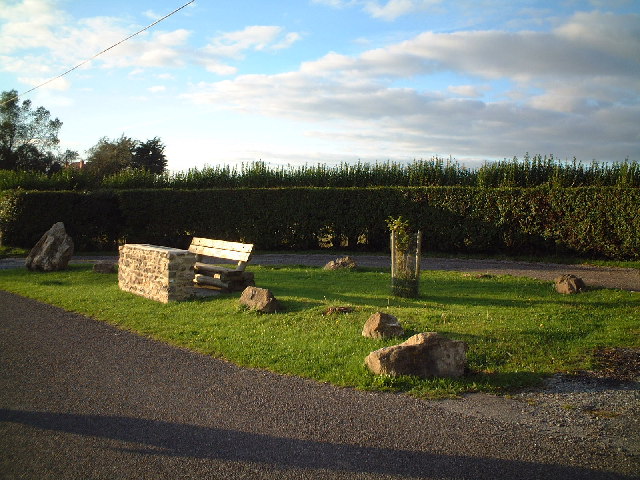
x,y
92,219
590,221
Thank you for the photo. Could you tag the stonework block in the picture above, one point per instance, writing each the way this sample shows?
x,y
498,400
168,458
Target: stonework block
x,y
159,273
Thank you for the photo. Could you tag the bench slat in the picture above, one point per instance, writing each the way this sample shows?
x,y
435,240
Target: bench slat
x,y
214,282
217,253
222,244
208,269
215,276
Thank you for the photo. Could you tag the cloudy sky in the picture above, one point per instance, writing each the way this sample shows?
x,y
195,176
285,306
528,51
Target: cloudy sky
x,y
330,81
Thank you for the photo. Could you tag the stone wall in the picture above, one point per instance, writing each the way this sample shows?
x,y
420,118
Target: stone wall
x,y
160,273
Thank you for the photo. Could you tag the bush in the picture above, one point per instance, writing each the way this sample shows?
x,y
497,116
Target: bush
x,y
588,221
92,219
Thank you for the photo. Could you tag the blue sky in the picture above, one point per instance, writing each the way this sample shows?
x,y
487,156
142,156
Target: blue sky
x,y
331,81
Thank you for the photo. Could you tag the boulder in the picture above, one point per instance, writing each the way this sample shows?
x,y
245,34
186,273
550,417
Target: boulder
x,y
105,266
424,355
52,252
382,325
341,263
569,284
259,299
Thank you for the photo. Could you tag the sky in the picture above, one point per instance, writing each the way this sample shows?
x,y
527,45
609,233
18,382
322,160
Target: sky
x,y
292,82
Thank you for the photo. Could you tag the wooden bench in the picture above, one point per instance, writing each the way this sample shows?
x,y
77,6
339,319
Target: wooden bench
x,y
211,275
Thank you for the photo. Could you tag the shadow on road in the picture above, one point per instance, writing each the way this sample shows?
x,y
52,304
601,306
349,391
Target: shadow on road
x,y
159,438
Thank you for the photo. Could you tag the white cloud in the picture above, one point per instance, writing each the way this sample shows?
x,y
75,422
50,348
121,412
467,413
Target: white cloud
x,y
219,68
617,36
393,9
28,24
287,41
59,84
37,26
495,54
255,37
152,15
469,91
157,88
387,10
577,84
28,63
235,45
336,3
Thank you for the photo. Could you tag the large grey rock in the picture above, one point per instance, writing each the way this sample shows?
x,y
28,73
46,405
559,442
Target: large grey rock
x,y
52,252
423,355
259,299
569,284
382,325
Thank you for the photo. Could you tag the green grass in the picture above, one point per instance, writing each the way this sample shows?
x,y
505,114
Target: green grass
x,y
518,329
12,252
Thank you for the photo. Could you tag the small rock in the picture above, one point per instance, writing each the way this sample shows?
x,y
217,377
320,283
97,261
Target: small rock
x,y
259,299
569,284
382,325
423,355
341,263
52,252
105,267
332,310
477,275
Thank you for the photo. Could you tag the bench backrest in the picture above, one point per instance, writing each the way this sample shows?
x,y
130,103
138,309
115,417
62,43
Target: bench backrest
x,y
240,252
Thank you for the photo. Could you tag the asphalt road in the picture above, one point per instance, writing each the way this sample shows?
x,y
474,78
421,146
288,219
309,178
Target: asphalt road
x,y
80,399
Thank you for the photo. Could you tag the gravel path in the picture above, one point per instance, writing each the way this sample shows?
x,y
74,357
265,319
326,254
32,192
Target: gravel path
x,y
606,277
80,399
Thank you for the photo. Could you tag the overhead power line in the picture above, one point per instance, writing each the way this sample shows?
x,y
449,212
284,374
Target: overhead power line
x,y
98,54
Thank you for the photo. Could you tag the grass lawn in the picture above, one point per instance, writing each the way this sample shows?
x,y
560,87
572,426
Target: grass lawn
x,y
518,329
12,252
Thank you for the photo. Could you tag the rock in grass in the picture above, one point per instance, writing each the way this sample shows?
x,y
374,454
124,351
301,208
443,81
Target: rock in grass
x,y
52,252
569,284
105,267
423,355
382,325
341,263
259,299
332,310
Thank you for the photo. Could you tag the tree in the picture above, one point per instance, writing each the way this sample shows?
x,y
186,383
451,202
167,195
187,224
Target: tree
x,y
110,156
68,157
28,138
150,156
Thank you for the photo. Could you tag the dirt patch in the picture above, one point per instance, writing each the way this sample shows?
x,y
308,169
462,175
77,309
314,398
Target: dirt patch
x,y
618,363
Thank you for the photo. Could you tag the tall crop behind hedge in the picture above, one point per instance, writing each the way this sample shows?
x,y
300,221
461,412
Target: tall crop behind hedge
x,y
528,172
